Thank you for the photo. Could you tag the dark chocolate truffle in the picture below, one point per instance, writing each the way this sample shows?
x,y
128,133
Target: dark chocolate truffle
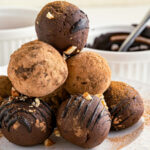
x,y
125,105
88,72
84,121
62,25
5,87
26,121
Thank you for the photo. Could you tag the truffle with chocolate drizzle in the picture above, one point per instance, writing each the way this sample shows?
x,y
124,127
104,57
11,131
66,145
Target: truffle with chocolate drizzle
x,y
84,120
26,121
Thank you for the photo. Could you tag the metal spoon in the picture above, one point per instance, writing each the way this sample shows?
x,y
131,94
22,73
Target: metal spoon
x,y
135,33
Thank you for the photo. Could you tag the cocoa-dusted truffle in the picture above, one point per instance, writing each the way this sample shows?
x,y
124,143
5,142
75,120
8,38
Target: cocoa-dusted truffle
x,y
5,87
37,69
88,72
84,120
125,105
26,121
62,25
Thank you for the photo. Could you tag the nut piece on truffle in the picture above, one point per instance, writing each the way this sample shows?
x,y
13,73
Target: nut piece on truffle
x,y
37,69
83,122
88,72
62,25
125,105
5,87
29,121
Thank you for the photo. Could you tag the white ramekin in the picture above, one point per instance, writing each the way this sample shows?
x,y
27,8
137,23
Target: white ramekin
x,y
130,65
16,28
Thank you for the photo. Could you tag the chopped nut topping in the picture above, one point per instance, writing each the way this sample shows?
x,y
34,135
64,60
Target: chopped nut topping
x,y
30,110
40,125
78,51
70,50
116,121
49,15
48,142
14,93
100,96
36,103
10,98
56,132
16,125
104,103
87,96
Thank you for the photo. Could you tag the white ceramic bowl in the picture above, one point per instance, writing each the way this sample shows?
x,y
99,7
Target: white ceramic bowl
x,y
131,65
16,28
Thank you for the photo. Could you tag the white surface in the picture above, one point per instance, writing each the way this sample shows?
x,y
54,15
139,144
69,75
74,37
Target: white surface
x,y
131,65
135,134
17,27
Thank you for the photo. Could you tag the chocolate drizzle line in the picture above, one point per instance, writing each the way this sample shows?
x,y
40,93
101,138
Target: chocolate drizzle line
x,y
86,110
79,106
80,25
69,105
93,115
99,117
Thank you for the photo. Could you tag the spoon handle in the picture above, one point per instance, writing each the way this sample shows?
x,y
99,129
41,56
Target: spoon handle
x,y
135,33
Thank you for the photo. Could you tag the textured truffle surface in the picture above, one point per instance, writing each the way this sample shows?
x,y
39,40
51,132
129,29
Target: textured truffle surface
x,y
62,25
88,72
5,87
83,122
37,69
26,121
125,105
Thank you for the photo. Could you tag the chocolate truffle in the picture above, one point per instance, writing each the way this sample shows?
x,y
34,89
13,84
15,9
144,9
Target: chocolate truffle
x,y
5,87
26,121
88,72
56,98
84,120
125,105
37,69
62,25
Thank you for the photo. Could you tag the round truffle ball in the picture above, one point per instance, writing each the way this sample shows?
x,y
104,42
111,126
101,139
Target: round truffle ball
x,y
26,121
62,25
88,72
37,69
5,87
84,121
125,105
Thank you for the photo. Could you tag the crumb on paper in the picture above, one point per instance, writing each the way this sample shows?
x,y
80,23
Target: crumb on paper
x,y
56,132
48,142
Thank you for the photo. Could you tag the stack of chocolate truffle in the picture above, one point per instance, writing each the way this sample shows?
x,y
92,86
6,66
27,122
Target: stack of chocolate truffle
x,y
55,84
